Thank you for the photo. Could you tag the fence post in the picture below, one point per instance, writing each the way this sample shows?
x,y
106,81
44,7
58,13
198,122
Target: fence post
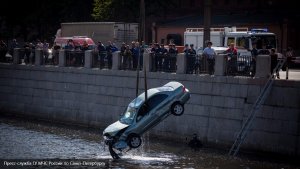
x,y
88,58
16,56
181,63
263,66
147,61
62,58
220,65
38,57
116,61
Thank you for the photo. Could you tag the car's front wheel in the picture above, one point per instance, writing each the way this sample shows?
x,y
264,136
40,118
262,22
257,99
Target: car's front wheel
x,y
177,109
134,141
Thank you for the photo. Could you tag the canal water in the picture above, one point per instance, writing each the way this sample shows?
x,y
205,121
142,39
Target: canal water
x,y
36,144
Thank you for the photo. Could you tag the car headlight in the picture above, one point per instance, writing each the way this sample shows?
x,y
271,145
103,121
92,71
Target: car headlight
x,y
107,137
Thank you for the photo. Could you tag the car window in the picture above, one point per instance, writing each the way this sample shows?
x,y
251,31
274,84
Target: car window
x,y
150,104
128,116
144,109
155,100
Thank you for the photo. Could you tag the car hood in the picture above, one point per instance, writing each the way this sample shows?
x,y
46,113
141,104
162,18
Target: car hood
x,y
114,128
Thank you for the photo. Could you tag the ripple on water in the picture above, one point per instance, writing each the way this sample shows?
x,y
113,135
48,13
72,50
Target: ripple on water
x,y
25,140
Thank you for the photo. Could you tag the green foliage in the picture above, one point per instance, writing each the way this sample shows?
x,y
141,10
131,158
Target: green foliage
x,y
115,10
128,10
101,10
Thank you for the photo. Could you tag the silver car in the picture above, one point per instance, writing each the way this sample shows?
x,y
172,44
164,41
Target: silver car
x,y
142,115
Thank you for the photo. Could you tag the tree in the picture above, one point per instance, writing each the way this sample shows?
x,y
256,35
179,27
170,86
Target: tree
x,y
116,10
128,10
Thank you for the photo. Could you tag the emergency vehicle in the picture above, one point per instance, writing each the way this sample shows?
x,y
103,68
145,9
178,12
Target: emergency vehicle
x,y
241,37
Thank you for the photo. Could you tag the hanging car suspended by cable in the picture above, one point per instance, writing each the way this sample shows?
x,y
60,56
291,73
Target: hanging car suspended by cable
x,y
143,114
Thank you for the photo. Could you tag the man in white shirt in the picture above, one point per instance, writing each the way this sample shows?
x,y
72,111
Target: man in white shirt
x,y
210,54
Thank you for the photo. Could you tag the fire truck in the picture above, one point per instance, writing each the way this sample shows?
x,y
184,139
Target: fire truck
x,y
241,37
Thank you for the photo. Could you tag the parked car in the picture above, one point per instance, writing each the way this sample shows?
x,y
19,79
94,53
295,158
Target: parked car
x,y
141,115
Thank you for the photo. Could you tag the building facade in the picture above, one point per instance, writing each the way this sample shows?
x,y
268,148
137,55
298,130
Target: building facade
x,y
279,17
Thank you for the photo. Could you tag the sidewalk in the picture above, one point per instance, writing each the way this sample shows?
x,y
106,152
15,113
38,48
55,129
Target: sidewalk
x,y
294,74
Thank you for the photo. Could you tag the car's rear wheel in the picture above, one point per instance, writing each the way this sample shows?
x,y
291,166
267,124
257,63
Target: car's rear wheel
x,y
177,109
134,141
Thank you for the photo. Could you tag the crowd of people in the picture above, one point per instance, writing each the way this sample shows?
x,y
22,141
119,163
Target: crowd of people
x,y
28,56
131,55
163,56
7,50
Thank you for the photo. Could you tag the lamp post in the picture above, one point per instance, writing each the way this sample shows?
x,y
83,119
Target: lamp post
x,y
141,40
206,21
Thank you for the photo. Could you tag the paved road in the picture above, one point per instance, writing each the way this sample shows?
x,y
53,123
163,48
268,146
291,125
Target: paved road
x,y
293,74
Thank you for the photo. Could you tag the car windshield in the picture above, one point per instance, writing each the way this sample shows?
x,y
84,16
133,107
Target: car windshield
x,y
137,101
267,41
128,116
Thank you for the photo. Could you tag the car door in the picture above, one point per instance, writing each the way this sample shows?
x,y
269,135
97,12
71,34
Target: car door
x,y
150,112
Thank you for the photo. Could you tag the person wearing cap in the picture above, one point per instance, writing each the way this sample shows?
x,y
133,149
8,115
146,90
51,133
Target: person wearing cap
x,y
210,55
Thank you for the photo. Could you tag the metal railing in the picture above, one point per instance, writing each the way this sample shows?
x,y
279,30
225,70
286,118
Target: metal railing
x,y
26,56
100,60
163,62
196,64
241,65
74,58
54,57
126,62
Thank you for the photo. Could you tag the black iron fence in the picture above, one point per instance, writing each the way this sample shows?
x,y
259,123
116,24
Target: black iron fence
x,y
101,60
54,57
126,61
74,58
163,62
196,64
241,65
26,56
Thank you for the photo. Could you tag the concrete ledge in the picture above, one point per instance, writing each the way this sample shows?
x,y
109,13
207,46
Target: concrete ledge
x,y
216,110
263,66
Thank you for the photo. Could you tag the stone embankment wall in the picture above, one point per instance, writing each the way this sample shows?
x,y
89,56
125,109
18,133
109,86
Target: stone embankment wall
x,y
216,111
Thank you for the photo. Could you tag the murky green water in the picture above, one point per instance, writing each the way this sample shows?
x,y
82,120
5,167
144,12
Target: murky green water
x,y
34,141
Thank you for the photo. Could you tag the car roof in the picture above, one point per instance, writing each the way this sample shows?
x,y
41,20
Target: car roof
x,y
171,86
